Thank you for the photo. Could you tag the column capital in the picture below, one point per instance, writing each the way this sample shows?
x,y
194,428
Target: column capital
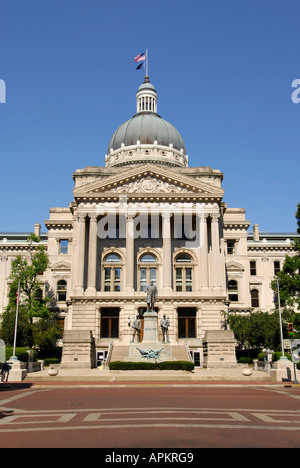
x,y
215,217
81,217
202,216
166,215
93,217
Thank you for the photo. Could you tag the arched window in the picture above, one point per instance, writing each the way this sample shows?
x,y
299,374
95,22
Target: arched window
x,y
112,269
147,270
183,273
233,295
254,298
61,290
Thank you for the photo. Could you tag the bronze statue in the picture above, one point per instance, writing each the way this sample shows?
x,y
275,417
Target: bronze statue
x,y
151,291
164,324
136,329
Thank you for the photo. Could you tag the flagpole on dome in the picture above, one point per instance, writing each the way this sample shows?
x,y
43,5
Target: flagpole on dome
x,y
147,73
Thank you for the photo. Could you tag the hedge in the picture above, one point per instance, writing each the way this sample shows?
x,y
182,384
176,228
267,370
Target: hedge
x,y
275,356
49,361
166,365
21,353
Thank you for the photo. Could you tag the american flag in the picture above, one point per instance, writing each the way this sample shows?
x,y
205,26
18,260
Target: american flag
x,y
140,57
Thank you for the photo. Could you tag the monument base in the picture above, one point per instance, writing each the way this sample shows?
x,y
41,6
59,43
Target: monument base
x,y
78,349
150,327
17,371
148,352
219,349
282,371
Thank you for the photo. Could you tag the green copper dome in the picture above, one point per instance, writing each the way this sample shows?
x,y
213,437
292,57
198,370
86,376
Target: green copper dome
x,y
146,128
146,137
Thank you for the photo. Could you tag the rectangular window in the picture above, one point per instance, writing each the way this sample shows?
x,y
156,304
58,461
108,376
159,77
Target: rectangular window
x,y
276,267
63,246
107,280
178,279
230,247
143,279
233,291
186,322
112,279
152,275
183,278
117,279
109,322
188,279
254,298
252,268
147,275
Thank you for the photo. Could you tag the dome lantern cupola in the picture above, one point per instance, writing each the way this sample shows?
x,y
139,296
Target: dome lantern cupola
x,y
146,137
146,97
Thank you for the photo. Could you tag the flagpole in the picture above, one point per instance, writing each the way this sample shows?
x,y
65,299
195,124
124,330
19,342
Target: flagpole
x,y
280,322
147,62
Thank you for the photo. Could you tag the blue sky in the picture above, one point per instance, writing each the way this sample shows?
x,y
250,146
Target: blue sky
x,y
223,71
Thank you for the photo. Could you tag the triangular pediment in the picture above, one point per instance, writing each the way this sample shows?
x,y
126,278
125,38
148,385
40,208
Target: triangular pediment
x,y
234,266
145,180
62,265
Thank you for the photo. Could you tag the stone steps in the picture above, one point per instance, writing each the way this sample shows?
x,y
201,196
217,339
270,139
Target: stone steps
x,y
119,353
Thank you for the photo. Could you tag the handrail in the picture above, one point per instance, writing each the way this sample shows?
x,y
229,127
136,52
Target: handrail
x,y
108,353
188,351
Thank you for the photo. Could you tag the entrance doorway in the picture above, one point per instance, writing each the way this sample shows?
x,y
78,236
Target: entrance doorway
x,y
100,357
196,358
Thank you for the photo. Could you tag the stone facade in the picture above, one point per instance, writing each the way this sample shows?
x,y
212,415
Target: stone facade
x,y
147,216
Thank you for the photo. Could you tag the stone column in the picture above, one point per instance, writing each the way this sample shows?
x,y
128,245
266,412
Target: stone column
x,y
79,263
215,241
130,253
92,257
167,252
204,251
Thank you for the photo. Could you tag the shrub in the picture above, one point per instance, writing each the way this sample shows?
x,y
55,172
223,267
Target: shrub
x,y
49,361
21,353
245,360
177,365
166,365
47,353
120,365
275,356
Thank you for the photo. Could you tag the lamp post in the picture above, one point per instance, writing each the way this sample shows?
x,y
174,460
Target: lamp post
x,y
282,357
14,357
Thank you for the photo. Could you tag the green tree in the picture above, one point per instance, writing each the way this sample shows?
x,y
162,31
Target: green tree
x,y
24,329
32,305
46,332
27,273
256,330
289,276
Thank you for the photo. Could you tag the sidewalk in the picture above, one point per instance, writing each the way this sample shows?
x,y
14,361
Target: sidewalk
x,y
197,376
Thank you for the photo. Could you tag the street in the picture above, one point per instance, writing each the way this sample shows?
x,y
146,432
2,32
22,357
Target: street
x,y
136,415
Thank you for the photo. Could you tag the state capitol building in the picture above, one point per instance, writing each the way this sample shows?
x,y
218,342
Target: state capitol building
x,y
146,216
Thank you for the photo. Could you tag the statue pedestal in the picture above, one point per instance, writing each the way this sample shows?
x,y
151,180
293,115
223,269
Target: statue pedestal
x,y
150,327
150,348
150,344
